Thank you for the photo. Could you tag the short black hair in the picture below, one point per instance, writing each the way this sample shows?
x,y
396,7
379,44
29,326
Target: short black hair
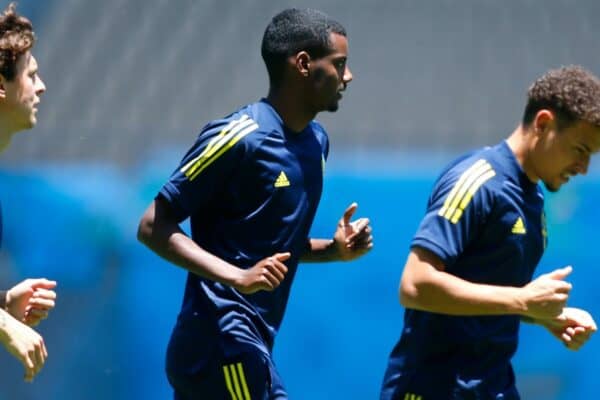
x,y
294,30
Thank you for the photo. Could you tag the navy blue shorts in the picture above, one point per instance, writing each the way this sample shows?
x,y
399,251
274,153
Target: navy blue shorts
x,y
206,365
432,386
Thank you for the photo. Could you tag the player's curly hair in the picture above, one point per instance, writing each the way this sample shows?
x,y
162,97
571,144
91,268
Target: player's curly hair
x,y
571,92
16,38
294,30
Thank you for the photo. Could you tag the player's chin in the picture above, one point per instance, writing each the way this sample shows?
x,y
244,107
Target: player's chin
x,y
552,186
32,120
333,107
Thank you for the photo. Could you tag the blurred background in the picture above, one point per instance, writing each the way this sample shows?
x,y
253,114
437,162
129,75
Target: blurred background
x,y
130,83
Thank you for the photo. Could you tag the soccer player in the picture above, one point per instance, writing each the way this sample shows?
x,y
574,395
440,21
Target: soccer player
x,y
467,282
251,185
28,302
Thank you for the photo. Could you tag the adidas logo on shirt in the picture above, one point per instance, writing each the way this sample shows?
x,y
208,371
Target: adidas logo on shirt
x,y
519,227
282,180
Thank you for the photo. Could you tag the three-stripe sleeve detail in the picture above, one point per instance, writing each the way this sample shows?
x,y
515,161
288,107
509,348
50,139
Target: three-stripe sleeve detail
x,y
464,189
226,139
235,381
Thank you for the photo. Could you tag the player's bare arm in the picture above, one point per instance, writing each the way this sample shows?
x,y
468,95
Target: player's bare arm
x,y
351,240
426,286
160,231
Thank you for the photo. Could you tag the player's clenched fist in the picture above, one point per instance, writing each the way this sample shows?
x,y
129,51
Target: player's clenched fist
x,y
546,296
31,300
267,274
573,327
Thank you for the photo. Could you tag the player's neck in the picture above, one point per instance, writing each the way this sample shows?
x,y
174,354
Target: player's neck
x,y
521,144
291,109
7,130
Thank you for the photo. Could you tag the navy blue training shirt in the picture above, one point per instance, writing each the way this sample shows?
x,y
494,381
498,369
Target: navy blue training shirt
x,y
251,188
485,221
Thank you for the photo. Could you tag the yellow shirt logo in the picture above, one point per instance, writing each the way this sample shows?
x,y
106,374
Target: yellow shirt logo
x,y
519,227
282,180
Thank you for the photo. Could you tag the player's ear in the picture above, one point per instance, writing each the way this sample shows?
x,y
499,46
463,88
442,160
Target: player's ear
x,y
303,63
544,121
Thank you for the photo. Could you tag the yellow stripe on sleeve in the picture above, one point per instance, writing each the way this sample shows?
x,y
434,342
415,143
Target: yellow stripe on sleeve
x,y
202,164
465,181
458,185
212,143
216,143
228,383
243,381
470,193
464,190
236,383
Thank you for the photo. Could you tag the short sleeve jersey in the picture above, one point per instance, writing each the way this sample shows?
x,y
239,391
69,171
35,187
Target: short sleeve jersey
x,y
251,188
485,221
